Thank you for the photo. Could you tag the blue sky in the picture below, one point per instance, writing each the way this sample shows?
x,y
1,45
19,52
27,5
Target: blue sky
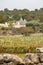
x,y
21,4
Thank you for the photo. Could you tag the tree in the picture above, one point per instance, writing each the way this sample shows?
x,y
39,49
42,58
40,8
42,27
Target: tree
x,y
10,24
3,18
41,17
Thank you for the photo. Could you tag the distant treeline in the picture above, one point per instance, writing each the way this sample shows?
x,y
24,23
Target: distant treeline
x,y
6,15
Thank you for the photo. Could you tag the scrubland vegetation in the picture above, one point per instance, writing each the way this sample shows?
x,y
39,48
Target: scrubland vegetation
x,y
17,14
20,44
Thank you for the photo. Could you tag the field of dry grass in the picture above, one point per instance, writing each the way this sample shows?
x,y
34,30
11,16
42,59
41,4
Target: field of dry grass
x,y
20,43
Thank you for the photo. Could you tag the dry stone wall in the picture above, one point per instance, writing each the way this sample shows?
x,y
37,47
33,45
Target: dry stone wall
x,y
29,59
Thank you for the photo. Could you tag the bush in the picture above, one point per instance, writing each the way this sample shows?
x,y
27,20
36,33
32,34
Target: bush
x,y
29,24
2,28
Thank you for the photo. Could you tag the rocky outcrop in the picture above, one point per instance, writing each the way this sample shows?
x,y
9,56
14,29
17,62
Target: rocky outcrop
x,y
29,59
9,59
35,58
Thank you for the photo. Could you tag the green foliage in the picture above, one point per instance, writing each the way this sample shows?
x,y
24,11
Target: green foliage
x,y
29,24
17,14
41,30
36,25
3,28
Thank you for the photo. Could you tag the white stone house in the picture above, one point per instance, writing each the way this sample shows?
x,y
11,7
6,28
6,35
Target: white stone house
x,y
3,24
20,23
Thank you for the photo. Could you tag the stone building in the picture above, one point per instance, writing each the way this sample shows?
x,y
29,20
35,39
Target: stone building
x,y
20,23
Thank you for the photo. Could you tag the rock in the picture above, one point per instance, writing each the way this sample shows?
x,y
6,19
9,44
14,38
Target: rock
x,y
3,64
10,63
28,62
33,57
7,58
28,55
40,50
29,59
39,64
18,60
1,59
41,57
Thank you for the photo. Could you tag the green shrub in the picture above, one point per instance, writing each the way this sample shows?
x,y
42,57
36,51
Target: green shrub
x,y
29,24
